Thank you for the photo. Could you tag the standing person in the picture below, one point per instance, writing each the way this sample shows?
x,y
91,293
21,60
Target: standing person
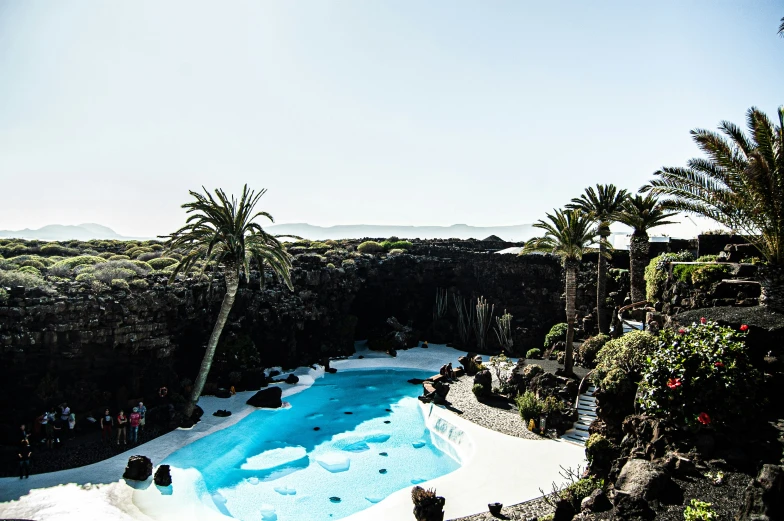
x,y
122,427
143,416
25,452
71,425
65,412
23,432
135,419
48,423
106,426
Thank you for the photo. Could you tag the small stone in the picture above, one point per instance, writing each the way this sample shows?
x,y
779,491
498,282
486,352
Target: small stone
x,y
316,428
383,454
348,412
335,499
382,471
387,421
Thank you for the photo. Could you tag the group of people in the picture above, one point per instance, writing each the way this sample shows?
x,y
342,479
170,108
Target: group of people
x,y
447,371
136,420
54,423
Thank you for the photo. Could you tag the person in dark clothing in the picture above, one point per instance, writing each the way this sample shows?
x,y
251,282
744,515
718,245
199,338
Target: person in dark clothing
x,y
106,426
25,452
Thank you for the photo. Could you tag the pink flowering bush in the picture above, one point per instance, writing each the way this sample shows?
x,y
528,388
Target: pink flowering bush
x,y
700,376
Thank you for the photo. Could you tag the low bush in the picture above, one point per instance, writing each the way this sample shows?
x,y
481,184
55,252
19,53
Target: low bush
x,y
532,370
627,354
586,354
710,273
551,405
396,245
120,284
3,296
480,391
119,257
146,257
700,375
557,334
707,258
106,255
63,268
699,511
30,269
27,280
598,448
88,278
656,272
32,263
396,251
161,262
579,490
529,406
370,247
318,246
534,353
57,249
139,284
330,266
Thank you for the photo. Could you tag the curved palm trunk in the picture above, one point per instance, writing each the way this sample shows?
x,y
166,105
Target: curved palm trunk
x,y
571,314
601,289
232,283
638,259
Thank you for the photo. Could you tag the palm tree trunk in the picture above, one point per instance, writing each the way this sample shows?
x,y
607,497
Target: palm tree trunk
x,y
571,315
232,282
771,279
601,291
638,258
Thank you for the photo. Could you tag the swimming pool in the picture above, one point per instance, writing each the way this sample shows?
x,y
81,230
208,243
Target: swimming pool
x,y
346,443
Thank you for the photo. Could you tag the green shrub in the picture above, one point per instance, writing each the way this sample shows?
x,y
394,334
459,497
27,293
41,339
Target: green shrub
x,y
656,272
529,406
370,247
699,511
156,247
32,263
579,490
330,266
396,252
627,353
532,370
709,273
707,258
120,284
548,517
106,255
72,262
119,257
534,353
85,277
700,375
598,448
479,390
139,284
586,354
396,245
30,269
136,251
27,280
144,266
3,296
57,249
161,262
318,246
557,333
551,404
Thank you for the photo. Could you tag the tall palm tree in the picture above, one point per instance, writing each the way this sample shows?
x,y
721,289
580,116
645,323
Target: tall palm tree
x,y
603,205
781,28
223,231
740,184
568,234
641,214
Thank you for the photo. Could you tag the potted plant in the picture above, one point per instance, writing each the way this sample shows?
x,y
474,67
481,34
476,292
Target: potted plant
x,y
427,506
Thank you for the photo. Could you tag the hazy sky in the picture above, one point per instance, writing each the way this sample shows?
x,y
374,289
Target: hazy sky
x,y
362,111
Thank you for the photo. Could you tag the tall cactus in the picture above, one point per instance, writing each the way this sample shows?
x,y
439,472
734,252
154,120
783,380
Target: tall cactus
x,y
484,316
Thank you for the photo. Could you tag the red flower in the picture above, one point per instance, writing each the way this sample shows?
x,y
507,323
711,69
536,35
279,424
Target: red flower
x,y
744,327
719,364
703,418
674,383
703,320
681,331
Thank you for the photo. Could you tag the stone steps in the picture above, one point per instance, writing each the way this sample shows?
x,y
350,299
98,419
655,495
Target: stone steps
x,y
586,414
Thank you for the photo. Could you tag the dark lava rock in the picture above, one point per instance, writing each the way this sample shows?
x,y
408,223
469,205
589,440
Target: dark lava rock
x,y
383,454
415,381
139,468
348,412
331,370
269,398
274,373
382,471
292,379
596,502
387,421
222,413
485,378
388,410
316,428
763,499
335,499
646,480
223,393
163,476
564,511
630,508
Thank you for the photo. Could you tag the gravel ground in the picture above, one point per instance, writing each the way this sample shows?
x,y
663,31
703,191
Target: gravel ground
x,y
519,512
497,415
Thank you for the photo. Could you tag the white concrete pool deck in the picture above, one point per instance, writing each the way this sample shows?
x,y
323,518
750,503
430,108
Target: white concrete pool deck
x,y
495,466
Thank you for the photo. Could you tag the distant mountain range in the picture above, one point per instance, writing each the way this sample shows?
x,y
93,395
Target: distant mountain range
x,y
62,232
515,233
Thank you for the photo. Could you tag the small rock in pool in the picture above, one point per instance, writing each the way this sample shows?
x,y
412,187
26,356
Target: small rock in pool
x,y
383,454
387,421
361,357
382,471
348,412
388,410
335,499
418,444
316,428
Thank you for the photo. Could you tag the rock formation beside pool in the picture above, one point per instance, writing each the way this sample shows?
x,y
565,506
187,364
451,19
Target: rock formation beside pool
x,y
269,398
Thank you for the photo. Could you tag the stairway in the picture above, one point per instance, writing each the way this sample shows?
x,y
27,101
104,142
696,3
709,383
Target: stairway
x,y
586,414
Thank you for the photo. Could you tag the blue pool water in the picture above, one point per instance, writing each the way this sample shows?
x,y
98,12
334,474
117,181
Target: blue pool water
x,y
275,466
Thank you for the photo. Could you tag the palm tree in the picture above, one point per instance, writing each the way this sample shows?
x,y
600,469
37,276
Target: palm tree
x,y
223,232
603,206
641,214
568,235
781,28
739,185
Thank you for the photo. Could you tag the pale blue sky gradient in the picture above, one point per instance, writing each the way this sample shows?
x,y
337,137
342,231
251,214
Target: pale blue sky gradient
x,y
394,112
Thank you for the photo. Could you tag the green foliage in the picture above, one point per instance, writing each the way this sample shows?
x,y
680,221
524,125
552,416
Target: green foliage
x,y
88,278
136,251
32,263
700,369
120,284
529,406
579,490
72,262
557,334
319,246
396,251
479,390
656,272
106,255
122,269
161,262
532,370
551,404
30,269
707,258
699,511
330,266
710,273
534,353
119,257
27,280
586,354
139,284
626,354
57,249
548,517
370,247
597,448
396,245
3,296
348,262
